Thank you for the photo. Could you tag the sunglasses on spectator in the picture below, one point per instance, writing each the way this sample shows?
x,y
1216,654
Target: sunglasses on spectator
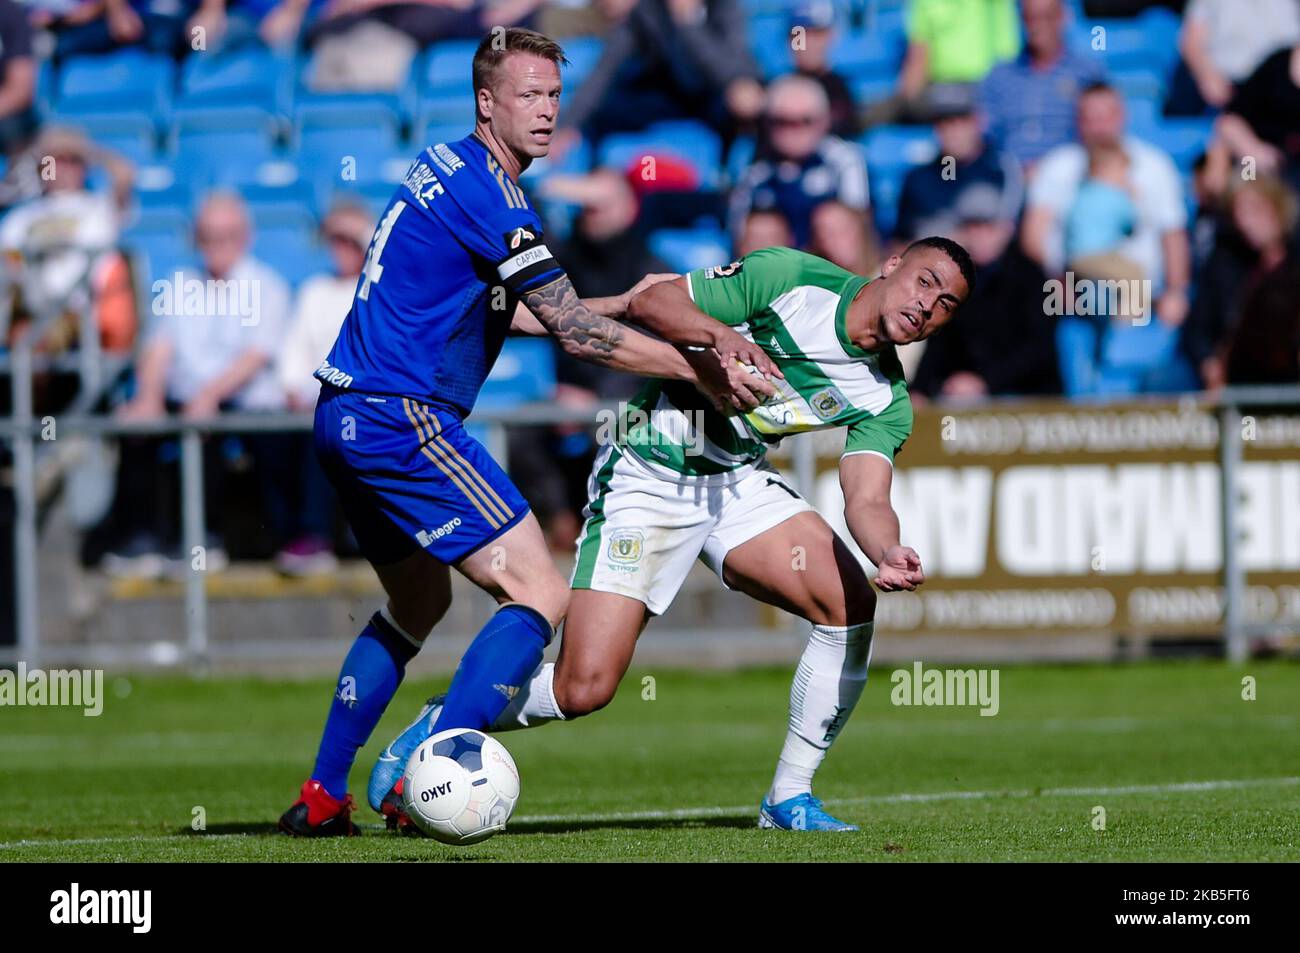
x,y
793,121
207,236
338,238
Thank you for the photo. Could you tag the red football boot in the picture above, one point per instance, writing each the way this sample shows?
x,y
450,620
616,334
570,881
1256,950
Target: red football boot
x,y
317,814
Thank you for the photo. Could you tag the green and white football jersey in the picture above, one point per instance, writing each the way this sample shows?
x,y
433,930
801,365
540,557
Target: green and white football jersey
x,y
793,305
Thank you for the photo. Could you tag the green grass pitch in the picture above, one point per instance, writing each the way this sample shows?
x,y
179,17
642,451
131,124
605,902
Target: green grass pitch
x,y
1184,768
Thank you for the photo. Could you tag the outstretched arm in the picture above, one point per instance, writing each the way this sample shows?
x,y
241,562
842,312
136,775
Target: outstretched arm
x,y
873,524
600,340
614,306
666,309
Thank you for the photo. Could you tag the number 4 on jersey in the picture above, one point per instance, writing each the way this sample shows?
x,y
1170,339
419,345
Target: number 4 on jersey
x,y
373,270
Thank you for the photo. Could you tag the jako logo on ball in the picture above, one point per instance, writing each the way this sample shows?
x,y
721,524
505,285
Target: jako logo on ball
x,y
460,786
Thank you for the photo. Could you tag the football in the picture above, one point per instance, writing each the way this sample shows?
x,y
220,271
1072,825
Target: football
x,y
460,786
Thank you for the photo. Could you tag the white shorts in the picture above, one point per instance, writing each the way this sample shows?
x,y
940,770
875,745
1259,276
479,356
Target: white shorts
x,y
643,530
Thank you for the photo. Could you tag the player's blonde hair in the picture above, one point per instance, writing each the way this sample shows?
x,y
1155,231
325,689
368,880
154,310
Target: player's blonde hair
x,y
498,44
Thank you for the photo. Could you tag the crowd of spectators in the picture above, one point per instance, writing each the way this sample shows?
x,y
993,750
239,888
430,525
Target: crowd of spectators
x,y
1037,172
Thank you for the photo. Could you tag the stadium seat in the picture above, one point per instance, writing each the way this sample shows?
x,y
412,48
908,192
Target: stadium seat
x,y
290,202
160,241
134,78
45,87
524,373
335,152
131,134
444,110
292,250
221,146
874,54
899,146
769,42
871,89
245,77
688,140
1149,40
582,53
158,187
739,157
1183,139
686,249
447,66
575,162
1139,82
374,194
886,185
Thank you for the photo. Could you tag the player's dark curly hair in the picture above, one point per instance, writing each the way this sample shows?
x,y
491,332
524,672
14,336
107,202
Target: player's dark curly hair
x,y
959,255
516,39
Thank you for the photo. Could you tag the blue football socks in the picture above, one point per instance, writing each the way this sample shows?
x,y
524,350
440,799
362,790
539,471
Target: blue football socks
x,y
498,662
367,682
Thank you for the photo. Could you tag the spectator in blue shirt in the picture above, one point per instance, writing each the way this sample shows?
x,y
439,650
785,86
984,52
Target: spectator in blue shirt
x,y
1030,101
931,193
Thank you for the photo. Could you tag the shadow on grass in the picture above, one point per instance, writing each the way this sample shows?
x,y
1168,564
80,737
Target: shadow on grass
x,y
566,826
735,822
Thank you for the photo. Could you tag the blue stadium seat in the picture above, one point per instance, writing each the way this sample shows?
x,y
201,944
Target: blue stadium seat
x,y
874,55
111,81
899,146
243,77
1183,139
576,161
1139,82
292,250
161,242
438,132
871,89
45,87
689,140
443,109
371,114
582,53
222,146
885,184
524,373
447,67
1149,40
688,248
374,194
128,133
158,187
769,41
287,203
739,157
357,152
1143,111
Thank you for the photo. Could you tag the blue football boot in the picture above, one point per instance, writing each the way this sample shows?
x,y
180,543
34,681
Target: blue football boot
x,y
803,812
390,767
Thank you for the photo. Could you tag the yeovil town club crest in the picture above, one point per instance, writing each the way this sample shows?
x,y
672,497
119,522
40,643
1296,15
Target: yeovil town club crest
x,y
827,403
626,546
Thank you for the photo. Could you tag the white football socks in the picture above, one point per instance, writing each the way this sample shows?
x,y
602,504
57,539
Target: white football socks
x,y
827,685
534,704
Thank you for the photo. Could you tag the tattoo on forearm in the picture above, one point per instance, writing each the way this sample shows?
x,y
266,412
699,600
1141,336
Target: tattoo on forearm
x,y
582,333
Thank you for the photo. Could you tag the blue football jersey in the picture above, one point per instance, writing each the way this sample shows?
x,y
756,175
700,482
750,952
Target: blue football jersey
x,y
456,247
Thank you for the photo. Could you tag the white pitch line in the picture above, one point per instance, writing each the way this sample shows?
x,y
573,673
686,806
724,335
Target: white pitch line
x,y
702,813
705,812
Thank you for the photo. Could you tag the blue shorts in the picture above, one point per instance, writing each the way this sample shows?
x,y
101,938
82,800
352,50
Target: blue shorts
x,y
409,477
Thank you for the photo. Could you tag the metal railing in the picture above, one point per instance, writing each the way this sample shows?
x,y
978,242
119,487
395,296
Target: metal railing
x,y
23,431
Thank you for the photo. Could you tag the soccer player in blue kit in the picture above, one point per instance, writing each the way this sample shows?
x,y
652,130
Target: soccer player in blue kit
x,y
457,250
